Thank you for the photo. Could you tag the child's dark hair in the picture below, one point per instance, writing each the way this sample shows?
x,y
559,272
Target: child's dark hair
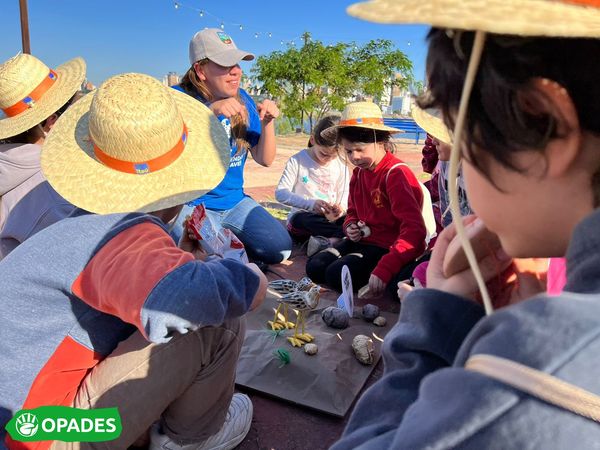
x,y
506,113
323,124
366,136
24,137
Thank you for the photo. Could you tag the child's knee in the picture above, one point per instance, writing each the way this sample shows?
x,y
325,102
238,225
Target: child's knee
x,y
333,276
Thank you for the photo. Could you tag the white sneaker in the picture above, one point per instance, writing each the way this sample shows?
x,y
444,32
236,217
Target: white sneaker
x,y
316,244
234,430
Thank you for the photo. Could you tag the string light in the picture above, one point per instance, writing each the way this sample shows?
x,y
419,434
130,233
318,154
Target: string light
x,y
257,34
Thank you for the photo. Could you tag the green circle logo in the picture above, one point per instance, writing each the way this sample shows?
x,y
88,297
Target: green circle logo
x,y
27,424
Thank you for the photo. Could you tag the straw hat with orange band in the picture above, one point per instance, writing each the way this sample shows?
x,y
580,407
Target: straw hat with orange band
x,y
135,145
30,91
360,115
551,18
432,123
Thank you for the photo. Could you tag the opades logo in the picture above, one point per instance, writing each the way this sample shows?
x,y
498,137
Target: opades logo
x,y
61,423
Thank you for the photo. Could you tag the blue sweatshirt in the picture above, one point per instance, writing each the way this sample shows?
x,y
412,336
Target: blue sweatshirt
x,y
426,398
76,289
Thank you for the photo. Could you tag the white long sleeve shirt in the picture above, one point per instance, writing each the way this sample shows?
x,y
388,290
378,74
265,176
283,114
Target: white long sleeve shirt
x,y
304,181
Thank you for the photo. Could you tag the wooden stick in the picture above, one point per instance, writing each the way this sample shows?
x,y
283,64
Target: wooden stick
x,y
24,26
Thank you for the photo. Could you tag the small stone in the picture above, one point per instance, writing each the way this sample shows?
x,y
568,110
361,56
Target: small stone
x,y
363,349
311,349
380,321
369,312
335,317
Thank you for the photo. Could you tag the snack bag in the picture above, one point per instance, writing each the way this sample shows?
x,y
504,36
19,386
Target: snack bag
x,y
215,240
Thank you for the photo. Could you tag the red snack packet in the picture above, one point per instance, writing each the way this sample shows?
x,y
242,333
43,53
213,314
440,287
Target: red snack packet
x,y
194,223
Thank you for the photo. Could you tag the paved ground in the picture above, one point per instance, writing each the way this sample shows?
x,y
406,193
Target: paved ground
x,y
276,424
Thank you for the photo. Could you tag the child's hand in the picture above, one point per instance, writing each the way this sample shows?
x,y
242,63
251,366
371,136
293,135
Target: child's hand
x,y
334,213
353,232
321,207
463,283
189,243
404,289
261,292
376,286
523,279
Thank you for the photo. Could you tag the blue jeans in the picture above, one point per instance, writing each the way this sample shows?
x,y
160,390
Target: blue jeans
x,y
263,236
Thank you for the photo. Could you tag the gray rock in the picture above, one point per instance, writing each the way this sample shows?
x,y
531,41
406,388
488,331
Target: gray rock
x,y
311,349
363,349
369,312
380,321
335,317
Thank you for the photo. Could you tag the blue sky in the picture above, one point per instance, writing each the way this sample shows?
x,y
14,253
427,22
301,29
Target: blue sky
x,y
152,36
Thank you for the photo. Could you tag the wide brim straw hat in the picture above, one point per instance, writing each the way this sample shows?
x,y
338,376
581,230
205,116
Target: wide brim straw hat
x,y
135,145
30,92
527,18
430,120
557,18
360,115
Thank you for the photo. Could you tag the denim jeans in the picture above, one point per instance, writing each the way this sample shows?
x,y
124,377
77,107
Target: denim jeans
x,y
263,236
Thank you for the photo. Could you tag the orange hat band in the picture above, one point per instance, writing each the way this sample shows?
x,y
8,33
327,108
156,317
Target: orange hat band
x,y
143,167
595,3
29,101
362,121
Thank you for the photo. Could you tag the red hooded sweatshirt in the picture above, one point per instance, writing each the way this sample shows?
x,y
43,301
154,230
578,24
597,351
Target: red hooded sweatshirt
x,y
392,209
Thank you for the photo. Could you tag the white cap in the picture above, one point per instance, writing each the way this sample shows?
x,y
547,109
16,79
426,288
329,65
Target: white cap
x,y
217,46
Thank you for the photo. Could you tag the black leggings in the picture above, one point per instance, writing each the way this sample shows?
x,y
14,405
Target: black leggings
x,y
304,224
326,266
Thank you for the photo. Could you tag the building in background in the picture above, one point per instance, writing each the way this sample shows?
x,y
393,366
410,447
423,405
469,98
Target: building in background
x,y
171,79
399,100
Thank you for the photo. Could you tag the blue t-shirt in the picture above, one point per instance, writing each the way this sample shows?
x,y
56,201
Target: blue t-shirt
x,y
231,190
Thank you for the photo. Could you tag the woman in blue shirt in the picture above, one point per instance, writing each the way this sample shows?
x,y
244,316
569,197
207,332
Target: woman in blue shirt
x,y
214,79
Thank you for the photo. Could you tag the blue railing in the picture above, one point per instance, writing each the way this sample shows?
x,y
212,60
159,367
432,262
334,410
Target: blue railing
x,y
409,126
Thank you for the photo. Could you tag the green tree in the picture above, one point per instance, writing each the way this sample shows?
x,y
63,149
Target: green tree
x,y
375,66
317,78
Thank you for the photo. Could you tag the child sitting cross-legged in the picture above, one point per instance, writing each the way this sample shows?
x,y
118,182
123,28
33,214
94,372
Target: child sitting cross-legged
x,y
315,184
384,226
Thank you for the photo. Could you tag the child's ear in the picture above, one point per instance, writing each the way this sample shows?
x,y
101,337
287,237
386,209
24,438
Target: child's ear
x,y
50,121
311,141
563,149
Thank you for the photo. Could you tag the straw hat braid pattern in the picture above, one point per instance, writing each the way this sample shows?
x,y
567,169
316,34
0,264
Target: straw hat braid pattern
x,y
17,76
133,131
135,145
30,91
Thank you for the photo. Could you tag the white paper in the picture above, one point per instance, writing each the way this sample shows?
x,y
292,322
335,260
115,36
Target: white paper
x,y
346,300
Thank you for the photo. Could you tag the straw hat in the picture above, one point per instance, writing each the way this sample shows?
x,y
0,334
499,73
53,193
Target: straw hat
x,y
30,92
360,115
552,18
135,145
557,18
432,123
